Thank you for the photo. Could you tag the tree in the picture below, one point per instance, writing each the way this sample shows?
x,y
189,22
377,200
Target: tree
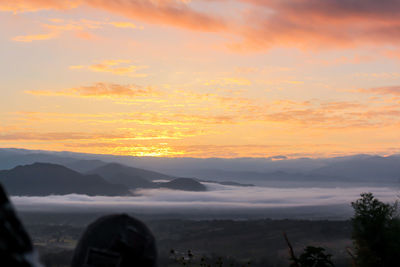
x,y
311,256
376,232
315,257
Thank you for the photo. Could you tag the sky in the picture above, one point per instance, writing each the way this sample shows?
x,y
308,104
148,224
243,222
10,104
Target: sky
x,y
201,78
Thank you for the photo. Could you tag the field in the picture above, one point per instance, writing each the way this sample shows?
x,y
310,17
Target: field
x,y
259,242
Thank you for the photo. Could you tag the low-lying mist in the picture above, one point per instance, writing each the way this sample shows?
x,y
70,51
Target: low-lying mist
x,y
218,198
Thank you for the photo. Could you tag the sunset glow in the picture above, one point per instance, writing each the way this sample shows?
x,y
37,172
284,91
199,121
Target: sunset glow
x,y
201,78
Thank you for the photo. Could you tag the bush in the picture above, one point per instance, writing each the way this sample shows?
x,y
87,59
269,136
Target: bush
x,y
314,257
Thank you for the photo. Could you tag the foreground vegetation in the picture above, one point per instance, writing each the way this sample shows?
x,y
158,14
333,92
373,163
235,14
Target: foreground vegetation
x,y
370,238
259,241
375,234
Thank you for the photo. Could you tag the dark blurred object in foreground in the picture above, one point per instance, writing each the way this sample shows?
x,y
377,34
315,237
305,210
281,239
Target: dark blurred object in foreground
x,y
16,248
116,241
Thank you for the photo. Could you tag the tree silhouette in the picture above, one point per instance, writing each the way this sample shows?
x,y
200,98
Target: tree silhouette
x,y
376,232
314,257
311,256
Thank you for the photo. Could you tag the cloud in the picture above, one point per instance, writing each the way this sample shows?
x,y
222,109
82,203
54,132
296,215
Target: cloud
x,y
121,136
124,24
213,123
230,81
333,117
305,24
321,24
218,198
335,9
227,110
18,6
95,24
81,28
54,136
34,37
395,54
177,119
118,67
385,90
101,90
171,12
159,150
151,118
54,31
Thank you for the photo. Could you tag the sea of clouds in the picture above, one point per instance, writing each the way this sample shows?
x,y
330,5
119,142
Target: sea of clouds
x,y
217,198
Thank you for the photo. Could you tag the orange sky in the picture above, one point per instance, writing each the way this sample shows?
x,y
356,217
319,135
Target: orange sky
x,y
201,78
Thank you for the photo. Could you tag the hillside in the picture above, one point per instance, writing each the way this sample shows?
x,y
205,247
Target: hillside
x,y
353,170
41,179
186,184
129,176
367,168
84,166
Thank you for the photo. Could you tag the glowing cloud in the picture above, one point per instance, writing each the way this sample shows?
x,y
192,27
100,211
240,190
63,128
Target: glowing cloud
x,y
386,90
100,90
288,85
114,67
124,24
307,24
34,5
36,37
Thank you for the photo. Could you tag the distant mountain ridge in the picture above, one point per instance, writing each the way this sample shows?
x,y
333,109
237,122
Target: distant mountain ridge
x,y
186,184
367,168
109,170
361,169
139,178
40,179
129,176
84,166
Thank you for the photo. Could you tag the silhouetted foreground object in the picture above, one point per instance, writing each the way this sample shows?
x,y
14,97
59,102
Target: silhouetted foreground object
x,y
116,241
376,232
16,249
314,257
311,256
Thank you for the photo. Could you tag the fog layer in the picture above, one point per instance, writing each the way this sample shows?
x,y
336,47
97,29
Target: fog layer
x,y
218,198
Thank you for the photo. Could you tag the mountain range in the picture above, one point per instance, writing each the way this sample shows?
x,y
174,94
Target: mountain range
x,y
40,179
277,171
132,177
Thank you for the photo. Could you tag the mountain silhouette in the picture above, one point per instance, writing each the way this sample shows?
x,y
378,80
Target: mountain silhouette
x,y
129,176
40,179
186,184
355,170
84,166
366,168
